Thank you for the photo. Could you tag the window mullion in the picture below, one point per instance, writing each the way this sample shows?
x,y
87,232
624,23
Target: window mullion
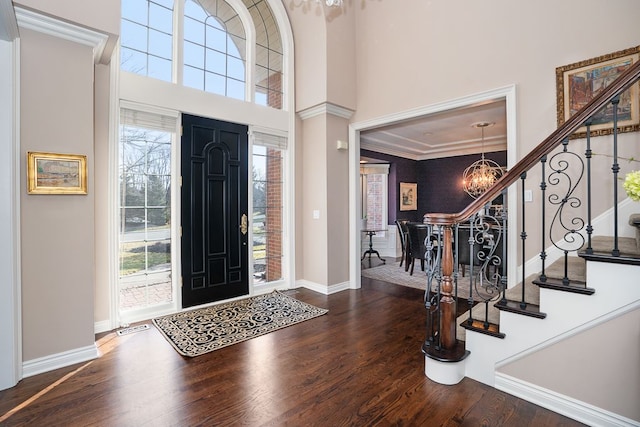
x,y
178,41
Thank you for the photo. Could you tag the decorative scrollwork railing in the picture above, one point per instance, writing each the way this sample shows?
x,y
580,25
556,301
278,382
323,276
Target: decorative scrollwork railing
x,y
481,228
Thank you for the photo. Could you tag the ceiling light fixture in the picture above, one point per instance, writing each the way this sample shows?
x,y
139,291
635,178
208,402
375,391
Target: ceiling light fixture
x,y
330,2
483,173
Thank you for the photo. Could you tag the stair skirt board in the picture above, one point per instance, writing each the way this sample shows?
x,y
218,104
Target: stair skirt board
x,y
605,305
561,404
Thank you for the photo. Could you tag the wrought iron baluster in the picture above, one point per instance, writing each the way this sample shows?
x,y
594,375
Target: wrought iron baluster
x,y
523,238
588,154
615,168
543,203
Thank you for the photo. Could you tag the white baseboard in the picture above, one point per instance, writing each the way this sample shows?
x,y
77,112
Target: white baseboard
x,y
323,289
102,326
59,360
567,406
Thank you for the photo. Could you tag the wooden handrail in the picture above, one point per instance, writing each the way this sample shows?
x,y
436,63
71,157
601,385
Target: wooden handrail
x,y
625,80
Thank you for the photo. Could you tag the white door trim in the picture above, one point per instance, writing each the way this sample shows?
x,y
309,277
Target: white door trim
x,y
10,291
508,93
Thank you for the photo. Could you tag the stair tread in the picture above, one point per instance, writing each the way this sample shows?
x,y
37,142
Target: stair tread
x,y
576,271
627,245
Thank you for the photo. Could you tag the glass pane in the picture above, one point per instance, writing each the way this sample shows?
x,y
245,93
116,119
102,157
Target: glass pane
x,y
275,61
160,68
166,3
216,62
274,99
158,191
160,44
133,61
215,84
262,77
132,257
193,54
193,77
134,36
135,10
134,219
259,166
160,18
267,214
235,89
375,202
193,31
261,98
235,68
237,47
159,255
193,10
216,39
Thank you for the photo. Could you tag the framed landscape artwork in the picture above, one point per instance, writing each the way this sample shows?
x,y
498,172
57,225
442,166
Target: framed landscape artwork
x,y
408,196
49,173
578,83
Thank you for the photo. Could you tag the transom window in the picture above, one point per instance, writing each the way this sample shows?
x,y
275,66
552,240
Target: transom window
x,y
146,38
214,49
213,52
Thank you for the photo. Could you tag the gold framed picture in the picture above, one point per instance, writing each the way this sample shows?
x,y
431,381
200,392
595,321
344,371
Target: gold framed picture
x,y
49,173
579,83
408,196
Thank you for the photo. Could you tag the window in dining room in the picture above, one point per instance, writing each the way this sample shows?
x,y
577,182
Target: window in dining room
x,y
374,180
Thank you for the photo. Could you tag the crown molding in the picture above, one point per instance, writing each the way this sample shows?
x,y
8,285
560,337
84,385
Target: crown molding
x,y
54,27
326,108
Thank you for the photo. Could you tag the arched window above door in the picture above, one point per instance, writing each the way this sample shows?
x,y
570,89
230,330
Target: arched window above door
x,y
224,46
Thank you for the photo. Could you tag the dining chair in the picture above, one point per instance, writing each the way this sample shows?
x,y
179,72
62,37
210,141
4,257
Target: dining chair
x,y
417,235
402,233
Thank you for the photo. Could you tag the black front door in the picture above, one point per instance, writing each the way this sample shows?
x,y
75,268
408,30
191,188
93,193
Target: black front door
x,y
214,210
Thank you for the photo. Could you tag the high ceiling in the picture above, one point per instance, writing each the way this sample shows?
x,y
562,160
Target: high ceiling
x,y
444,134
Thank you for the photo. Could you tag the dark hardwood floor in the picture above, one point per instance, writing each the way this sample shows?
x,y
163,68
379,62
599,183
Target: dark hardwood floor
x,y
359,365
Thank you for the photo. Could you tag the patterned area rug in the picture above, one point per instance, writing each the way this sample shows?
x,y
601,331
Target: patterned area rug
x,y
200,331
392,273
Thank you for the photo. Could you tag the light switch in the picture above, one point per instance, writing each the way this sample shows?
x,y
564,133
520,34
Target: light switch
x,y
528,196
316,214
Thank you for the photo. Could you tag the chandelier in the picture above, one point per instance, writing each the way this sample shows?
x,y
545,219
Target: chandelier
x,y
481,174
331,2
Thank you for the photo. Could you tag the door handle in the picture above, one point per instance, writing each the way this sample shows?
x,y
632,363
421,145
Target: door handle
x,y
243,224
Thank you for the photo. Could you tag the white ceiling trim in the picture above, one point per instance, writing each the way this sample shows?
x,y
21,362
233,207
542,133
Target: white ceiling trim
x,y
326,108
54,27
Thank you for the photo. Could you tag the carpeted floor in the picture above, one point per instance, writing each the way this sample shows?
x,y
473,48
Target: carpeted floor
x,y
200,331
392,273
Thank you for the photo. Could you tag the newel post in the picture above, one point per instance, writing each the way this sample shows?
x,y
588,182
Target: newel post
x,y
447,302
444,354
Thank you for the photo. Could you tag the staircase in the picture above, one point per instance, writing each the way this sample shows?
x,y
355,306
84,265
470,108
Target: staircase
x,y
566,337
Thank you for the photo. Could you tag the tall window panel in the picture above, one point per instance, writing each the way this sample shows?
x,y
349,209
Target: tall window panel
x,y
214,48
146,38
269,55
145,211
268,203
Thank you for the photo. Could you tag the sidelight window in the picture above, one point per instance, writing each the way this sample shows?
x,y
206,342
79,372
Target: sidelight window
x,y
145,209
268,206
